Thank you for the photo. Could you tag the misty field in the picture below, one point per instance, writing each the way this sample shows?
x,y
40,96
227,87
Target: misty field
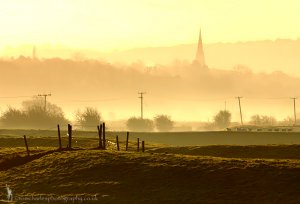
x,y
162,174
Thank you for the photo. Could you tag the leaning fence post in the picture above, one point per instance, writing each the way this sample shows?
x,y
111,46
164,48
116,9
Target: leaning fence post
x,y
143,146
70,135
127,138
117,141
138,144
99,134
27,149
59,138
104,140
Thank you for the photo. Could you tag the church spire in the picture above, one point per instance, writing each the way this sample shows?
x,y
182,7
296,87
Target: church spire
x,y
200,53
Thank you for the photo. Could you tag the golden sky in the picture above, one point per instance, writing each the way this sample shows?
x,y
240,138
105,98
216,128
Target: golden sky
x,y
123,24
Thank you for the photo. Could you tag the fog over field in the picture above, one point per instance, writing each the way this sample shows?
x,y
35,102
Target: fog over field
x,y
149,101
183,90
85,56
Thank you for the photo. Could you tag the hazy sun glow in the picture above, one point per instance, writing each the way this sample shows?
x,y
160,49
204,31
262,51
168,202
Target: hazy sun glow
x,y
123,24
75,28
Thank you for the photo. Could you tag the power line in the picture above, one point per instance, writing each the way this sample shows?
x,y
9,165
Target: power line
x,y
268,98
98,100
142,103
45,96
15,96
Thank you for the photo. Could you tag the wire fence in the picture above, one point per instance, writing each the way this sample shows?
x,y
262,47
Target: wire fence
x,y
36,141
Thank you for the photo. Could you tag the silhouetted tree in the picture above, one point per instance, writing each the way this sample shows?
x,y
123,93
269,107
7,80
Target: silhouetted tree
x,y
268,120
255,120
263,120
138,124
12,117
288,121
222,119
89,118
33,115
163,123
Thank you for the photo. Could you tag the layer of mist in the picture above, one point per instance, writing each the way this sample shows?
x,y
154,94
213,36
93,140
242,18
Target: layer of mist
x,y
183,90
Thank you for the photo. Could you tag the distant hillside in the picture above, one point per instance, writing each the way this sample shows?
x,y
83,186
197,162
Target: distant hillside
x,y
183,90
260,56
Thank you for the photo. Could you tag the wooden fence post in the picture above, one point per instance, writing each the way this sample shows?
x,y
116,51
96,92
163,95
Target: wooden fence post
x,y
117,141
59,138
138,144
143,146
104,140
27,149
100,135
70,135
127,138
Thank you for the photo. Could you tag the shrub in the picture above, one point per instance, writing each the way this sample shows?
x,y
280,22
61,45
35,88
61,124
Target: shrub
x,y
138,124
163,123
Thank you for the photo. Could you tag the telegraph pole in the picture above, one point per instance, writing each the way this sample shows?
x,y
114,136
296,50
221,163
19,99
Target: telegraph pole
x,y
239,98
295,118
45,96
142,103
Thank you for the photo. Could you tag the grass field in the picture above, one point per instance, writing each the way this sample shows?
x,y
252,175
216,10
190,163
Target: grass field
x,y
163,174
176,138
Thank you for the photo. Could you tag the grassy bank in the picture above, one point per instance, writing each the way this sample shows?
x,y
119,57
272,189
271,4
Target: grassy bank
x,y
154,177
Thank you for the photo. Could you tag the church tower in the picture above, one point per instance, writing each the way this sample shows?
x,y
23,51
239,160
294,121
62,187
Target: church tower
x,y
199,60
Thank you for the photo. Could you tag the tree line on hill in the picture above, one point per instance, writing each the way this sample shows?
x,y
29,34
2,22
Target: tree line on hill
x,y
34,114
68,77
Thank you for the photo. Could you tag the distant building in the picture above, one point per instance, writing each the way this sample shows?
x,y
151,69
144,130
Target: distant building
x,y
199,59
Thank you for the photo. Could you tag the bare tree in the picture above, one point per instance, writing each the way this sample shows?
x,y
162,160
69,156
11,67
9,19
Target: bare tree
x,y
222,119
263,120
89,118
33,115
138,124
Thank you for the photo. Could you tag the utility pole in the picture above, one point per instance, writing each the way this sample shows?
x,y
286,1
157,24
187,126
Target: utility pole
x,y
142,103
295,118
45,96
239,98
225,105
